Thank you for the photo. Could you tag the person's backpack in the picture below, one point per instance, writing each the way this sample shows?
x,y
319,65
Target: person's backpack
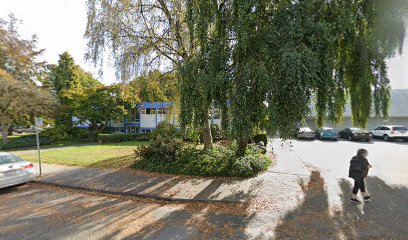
x,y
355,165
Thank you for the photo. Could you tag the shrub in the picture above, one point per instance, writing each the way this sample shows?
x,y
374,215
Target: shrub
x,y
82,134
259,162
242,167
260,137
116,138
191,134
167,155
192,161
165,129
25,142
55,134
162,149
216,132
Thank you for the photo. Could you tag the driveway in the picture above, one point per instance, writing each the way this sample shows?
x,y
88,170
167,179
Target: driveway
x,y
326,206
389,159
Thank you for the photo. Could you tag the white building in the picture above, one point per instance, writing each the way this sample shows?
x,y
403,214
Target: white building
x,y
398,113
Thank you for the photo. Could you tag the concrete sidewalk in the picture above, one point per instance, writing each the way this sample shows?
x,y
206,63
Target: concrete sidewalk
x,y
280,183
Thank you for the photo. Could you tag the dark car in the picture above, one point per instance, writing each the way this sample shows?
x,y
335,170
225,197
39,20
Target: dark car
x,y
353,134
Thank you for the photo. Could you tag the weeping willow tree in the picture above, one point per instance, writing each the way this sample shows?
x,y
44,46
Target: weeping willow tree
x,y
143,34
264,61
204,74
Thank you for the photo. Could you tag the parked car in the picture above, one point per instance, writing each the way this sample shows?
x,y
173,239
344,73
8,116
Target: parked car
x,y
30,129
390,132
326,133
14,171
353,134
305,133
10,131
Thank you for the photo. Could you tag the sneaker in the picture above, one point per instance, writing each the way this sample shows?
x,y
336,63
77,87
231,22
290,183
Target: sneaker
x,y
353,200
368,199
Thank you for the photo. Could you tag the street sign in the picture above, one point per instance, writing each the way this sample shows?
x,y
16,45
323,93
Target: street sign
x,y
38,122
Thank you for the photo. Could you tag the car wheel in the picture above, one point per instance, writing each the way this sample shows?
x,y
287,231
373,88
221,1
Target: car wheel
x,y
21,184
350,138
386,138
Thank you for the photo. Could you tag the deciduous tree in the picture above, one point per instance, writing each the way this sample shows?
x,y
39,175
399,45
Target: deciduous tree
x,y
18,56
98,105
20,101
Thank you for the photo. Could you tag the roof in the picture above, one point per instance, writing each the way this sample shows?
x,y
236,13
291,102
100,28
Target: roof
x,y
398,105
154,104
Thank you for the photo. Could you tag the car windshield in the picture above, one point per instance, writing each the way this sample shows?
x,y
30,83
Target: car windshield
x,y
357,130
6,159
305,130
401,128
328,130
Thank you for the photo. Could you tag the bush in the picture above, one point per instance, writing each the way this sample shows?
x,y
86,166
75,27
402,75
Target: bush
x,y
167,155
25,142
216,132
159,156
55,134
242,167
116,138
191,161
165,129
82,134
192,135
260,137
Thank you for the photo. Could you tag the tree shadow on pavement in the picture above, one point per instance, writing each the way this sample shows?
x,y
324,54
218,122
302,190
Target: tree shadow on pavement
x,y
310,220
61,215
384,218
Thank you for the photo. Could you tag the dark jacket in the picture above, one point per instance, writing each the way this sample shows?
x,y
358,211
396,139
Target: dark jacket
x,y
358,167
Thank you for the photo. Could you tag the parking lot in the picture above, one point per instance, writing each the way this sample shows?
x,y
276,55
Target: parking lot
x,y
389,159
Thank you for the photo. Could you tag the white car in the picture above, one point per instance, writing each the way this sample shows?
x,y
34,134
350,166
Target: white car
x,y
390,132
14,170
306,133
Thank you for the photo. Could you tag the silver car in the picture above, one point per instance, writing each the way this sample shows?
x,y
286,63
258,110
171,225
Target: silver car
x,y
306,133
14,170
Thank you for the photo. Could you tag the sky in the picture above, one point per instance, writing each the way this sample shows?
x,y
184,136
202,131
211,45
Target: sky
x,y
60,26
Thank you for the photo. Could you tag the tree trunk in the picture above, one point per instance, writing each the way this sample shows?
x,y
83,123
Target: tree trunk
x,y
242,146
207,138
4,132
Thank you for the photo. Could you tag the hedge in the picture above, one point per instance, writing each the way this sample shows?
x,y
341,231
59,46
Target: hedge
x,y
116,138
25,142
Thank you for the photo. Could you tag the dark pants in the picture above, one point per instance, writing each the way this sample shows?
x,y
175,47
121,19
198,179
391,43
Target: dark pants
x,y
358,184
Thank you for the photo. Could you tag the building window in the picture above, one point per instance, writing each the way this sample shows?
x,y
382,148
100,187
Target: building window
x,y
143,110
216,114
133,115
117,130
150,111
117,121
161,111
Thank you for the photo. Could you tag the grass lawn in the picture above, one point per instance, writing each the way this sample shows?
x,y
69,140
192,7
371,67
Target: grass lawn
x,y
114,155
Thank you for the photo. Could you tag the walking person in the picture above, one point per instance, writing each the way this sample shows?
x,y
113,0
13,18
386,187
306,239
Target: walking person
x,y
358,171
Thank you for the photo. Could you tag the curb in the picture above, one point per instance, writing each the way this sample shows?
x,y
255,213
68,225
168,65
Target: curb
x,y
138,195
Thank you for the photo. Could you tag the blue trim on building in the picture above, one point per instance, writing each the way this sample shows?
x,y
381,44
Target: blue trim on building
x,y
154,104
157,116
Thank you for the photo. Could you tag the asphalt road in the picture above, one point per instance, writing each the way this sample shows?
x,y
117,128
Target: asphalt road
x,y
389,159
315,209
38,212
